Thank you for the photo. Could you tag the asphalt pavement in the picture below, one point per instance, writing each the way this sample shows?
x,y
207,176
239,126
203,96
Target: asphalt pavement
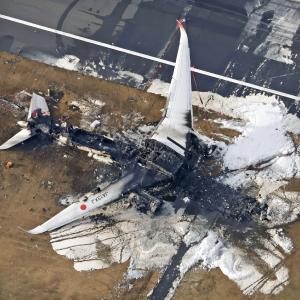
x,y
232,37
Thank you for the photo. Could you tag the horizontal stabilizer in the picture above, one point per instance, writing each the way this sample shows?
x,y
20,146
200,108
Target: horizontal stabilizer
x,y
18,138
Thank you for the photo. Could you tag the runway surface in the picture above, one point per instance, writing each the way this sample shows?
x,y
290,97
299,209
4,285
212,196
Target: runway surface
x,y
238,39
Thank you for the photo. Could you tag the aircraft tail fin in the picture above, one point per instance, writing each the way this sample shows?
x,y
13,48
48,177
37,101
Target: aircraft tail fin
x,y
38,107
38,103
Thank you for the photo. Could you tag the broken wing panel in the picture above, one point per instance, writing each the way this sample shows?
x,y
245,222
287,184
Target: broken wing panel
x,y
20,137
177,122
38,102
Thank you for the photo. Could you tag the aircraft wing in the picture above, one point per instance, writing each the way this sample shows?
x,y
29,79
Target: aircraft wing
x,y
80,209
20,137
177,121
38,102
134,179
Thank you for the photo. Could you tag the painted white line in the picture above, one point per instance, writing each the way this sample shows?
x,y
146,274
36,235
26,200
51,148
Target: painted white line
x,y
149,57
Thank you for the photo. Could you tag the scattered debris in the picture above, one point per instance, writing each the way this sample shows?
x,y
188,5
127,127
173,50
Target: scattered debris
x,y
95,124
46,184
8,164
74,107
55,94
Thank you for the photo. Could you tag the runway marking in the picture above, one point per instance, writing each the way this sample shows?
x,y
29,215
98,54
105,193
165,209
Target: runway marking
x,y
149,57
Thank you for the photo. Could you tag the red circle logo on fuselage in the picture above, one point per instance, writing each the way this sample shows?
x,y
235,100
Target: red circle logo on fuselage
x,y
83,207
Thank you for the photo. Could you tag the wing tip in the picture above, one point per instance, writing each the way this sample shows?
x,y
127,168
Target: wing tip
x,y
3,147
181,24
37,230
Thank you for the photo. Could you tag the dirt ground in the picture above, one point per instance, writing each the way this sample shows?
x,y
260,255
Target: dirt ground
x,y
29,268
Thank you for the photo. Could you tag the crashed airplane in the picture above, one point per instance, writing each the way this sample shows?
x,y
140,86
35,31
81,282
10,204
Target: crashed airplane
x,y
173,148
165,151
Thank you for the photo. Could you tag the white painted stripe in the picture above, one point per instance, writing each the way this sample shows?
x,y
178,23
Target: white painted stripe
x,y
149,57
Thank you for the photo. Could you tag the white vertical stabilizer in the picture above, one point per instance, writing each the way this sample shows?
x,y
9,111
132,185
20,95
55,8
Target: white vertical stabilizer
x,y
177,122
38,102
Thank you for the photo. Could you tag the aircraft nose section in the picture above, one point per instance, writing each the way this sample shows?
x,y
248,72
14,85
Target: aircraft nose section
x,y
68,215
